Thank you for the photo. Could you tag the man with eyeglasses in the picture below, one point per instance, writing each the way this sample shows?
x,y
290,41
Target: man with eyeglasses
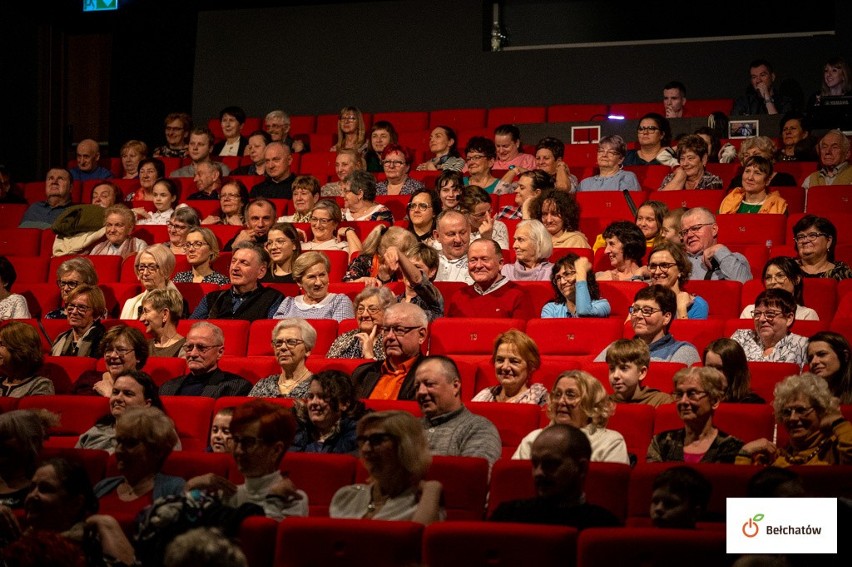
x,y
279,179
200,147
403,334
260,215
834,169
277,124
208,181
247,298
710,260
451,428
204,346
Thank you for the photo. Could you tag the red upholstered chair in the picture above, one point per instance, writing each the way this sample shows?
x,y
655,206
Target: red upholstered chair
x,y
828,200
31,269
722,296
65,370
193,293
12,213
20,241
411,407
318,162
698,332
257,540
620,296
635,422
187,464
108,268
586,336
95,462
513,421
765,375
608,204
660,375
117,294
8,404
752,229
42,298
709,199
576,112
164,368
515,115
192,416
604,547
412,121
77,415
458,119
252,368
468,335
634,110
483,544
747,422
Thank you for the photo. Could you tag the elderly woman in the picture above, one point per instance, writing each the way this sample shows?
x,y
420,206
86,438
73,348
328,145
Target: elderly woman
x,y
830,358
131,389
818,433
576,291
532,248
443,145
611,176
162,309
284,247
12,305
144,438
328,415
231,119
480,154
306,193
202,249
325,220
132,152
654,134
771,339
515,358
784,273
351,132
292,340
366,340
233,198
359,194
85,307
382,133
579,399
178,125
816,242
754,196
182,220
396,161
764,147
728,357
476,204
669,267
166,195
20,360
625,248
559,212
370,266
797,144
154,266
23,433
697,393
311,274
124,348
395,452
119,222
423,210
692,153
345,163
449,186
150,170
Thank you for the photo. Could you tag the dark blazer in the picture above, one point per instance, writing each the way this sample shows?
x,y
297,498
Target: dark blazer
x,y
366,376
220,384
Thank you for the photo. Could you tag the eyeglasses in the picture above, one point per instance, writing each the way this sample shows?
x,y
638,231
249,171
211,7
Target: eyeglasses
x,y
692,395
419,206
643,311
768,315
566,276
348,118
320,221
147,267
227,196
200,348
788,413
809,237
290,343
647,129
398,330
177,227
664,266
777,278
474,157
374,440
66,284
611,153
72,307
693,229
246,443
372,309
393,163
118,350
197,245
569,395
280,242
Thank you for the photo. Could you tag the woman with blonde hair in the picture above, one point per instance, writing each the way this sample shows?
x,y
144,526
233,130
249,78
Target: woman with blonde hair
x,y
515,358
371,267
311,274
132,152
154,267
345,163
20,360
162,309
579,399
202,249
351,132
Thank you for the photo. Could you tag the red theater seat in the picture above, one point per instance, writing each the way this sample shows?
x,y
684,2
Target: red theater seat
x,y
620,296
576,112
605,547
828,200
30,269
635,422
515,115
64,371
458,119
698,332
412,121
722,296
20,241
464,335
77,415
192,416
765,375
709,199
585,336
752,229
747,422
513,421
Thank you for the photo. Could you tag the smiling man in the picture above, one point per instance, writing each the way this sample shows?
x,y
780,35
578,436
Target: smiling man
x,y
710,260
200,148
260,216
452,232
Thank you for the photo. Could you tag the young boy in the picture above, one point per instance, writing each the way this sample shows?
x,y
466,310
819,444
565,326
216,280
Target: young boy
x,y
419,290
220,431
679,498
628,361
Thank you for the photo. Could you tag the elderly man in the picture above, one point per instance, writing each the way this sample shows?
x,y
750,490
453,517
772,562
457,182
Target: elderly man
x,y
200,147
57,189
560,463
205,345
834,167
277,123
452,232
260,216
261,433
492,294
451,428
760,96
247,298
403,334
279,179
88,156
674,99
710,260
208,181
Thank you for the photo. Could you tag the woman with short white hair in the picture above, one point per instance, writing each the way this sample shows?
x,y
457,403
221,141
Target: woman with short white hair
x,y
533,246
292,341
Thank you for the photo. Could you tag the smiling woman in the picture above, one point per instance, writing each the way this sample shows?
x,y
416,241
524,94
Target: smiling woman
x,y
124,348
119,222
515,358
292,341
366,340
311,274
327,415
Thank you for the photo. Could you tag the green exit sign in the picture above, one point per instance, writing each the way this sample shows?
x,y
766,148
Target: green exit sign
x,y
98,5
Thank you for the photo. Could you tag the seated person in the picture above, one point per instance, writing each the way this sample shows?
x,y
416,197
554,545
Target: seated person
x,y
700,235
124,349
668,266
533,247
220,431
119,223
611,176
680,498
754,196
782,272
369,267
475,203
515,358
23,433
418,273
728,357
85,307
507,143
365,341
292,342
88,162
12,305
21,360
57,189
628,361
327,415
577,293
315,302
692,153
762,146
771,339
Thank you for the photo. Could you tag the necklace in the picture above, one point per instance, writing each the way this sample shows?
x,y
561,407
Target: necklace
x,y
794,459
377,500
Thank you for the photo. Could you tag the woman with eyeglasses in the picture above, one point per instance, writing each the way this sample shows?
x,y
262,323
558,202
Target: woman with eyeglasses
x,y
515,358
21,359
179,224
85,306
359,195
576,291
654,134
284,247
668,266
124,348
371,267
396,161
69,275
162,309
816,242
328,415
817,431
728,357
394,450
202,248
150,170
233,198
345,163
154,267
698,391
311,274
480,154
782,272
423,210
325,219
771,339
351,133
292,343
579,399
830,358
366,340
692,153
611,176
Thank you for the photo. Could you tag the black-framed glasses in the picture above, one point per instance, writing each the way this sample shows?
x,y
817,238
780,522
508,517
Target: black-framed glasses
x,y
808,237
371,309
777,278
643,311
474,157
320,221
67,284
693,229
120,351
566,276
664,266
177,227
788,413
289,343
374,440
147,267
197,245
647,129
398,330
691,395
199,347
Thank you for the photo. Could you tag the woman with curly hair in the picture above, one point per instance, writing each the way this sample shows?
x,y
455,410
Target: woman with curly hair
x,y
328,415
559,212
576,291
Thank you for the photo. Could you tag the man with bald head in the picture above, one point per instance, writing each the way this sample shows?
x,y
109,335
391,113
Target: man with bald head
x,y
88,155
452,232
57,189
279,179
710,260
